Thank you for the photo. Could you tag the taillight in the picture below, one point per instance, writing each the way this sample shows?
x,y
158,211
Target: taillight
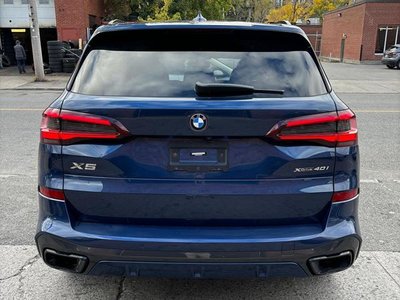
x,y
344,195
332,129
52,193
65,127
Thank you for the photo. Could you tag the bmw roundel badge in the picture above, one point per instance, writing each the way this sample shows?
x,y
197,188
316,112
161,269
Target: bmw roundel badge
x,y
198,122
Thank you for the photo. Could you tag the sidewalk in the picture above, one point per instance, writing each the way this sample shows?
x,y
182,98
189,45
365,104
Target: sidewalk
x,y
23,275
10,79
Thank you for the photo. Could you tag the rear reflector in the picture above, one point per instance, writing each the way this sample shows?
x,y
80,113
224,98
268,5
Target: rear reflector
x,y
344,195
331,129
67,127
52,193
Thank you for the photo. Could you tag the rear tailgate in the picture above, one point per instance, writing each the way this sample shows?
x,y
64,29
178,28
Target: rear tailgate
x,y
261,183
166,171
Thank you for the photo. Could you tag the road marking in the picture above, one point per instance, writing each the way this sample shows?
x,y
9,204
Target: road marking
x,y
369,181
17,175
377,111
21,109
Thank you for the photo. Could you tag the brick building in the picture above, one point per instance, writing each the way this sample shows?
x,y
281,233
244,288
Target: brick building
x,y
362,31
314,34
75,17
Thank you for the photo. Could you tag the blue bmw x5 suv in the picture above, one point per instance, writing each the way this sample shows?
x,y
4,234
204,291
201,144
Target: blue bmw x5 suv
x,y
198,150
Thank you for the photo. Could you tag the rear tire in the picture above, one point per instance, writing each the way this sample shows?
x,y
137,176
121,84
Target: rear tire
x,y
56,56
54,42
390,66
54,48
6,61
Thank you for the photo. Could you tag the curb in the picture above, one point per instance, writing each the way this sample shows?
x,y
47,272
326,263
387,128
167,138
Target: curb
x,y
39,89
33,89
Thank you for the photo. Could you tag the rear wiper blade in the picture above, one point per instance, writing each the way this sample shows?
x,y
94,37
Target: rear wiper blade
x,y
228,89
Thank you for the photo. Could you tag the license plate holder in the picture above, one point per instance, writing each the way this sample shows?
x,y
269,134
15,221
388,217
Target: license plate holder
x,y
198,157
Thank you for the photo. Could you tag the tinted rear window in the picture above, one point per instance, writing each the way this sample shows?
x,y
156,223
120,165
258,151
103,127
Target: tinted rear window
x,y
168,64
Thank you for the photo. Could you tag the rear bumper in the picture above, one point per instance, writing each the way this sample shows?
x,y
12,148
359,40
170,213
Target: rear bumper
x,y
198,252
186,264
390,61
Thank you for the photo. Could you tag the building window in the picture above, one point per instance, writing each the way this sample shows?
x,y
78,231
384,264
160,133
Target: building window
x,y
387,36
8,1
24,1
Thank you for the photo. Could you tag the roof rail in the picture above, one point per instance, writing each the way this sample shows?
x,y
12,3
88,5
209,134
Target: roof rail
x,y
115,21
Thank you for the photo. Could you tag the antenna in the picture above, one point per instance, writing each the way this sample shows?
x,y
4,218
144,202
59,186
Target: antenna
x,y
199,18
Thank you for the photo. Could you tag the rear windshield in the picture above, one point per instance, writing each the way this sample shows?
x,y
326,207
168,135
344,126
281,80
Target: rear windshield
x,y
168,63
174,74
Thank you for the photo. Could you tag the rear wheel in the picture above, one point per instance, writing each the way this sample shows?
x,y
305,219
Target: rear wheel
x,y
390,66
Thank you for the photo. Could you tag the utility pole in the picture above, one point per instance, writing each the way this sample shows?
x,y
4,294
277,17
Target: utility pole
x,y
35,39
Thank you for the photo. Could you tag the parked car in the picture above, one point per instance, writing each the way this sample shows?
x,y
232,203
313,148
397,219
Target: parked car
x,y
391,57
222,152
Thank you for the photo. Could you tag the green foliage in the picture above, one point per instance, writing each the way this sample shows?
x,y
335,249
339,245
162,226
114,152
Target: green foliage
x,y
292,11
320,7
235,10
215,9
166,10
250,10
142,10
116,9
162,13
296,9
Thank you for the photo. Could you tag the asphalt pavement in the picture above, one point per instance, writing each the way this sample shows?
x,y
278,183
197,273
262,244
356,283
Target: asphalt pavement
x,y
372,91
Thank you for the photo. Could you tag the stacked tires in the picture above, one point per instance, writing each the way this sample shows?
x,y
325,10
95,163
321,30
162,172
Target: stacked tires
x,y
77,52
6,61
56,55
61,57
69,64
70,60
